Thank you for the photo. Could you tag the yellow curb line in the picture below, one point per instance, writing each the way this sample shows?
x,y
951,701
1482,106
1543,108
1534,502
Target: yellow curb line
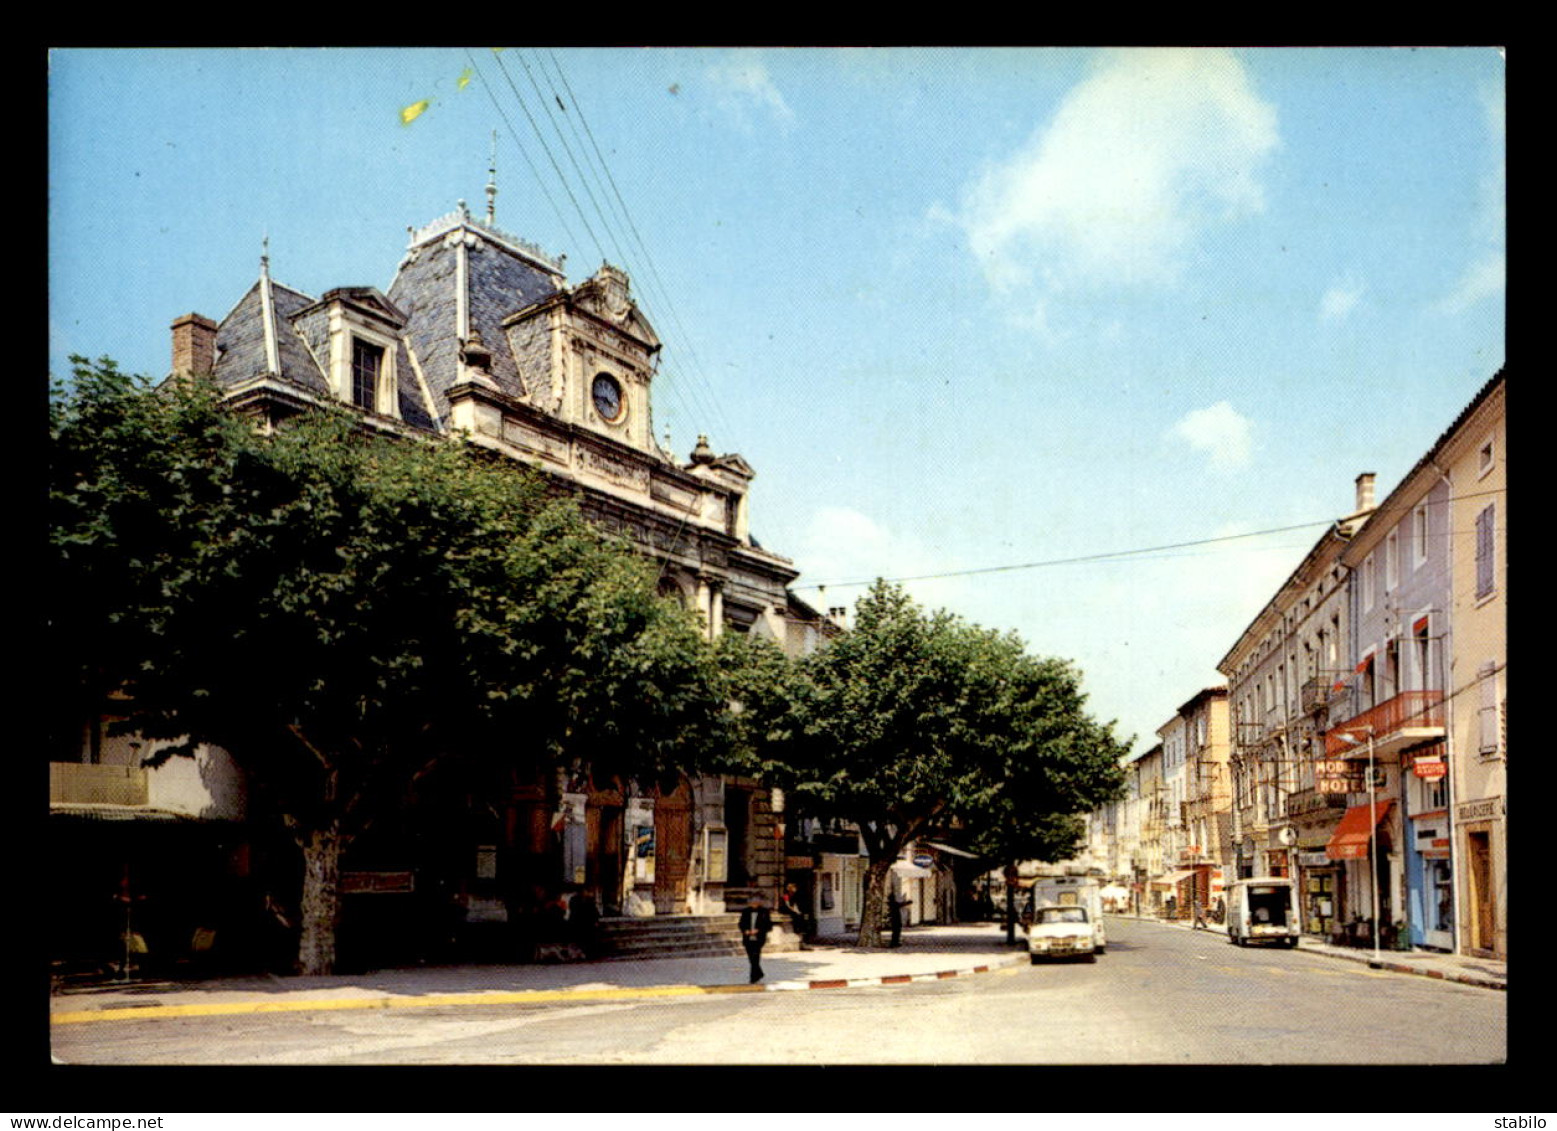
x,y
502,997
308,1005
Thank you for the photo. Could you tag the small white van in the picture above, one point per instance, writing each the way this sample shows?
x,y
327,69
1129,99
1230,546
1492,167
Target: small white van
x,y
1262,910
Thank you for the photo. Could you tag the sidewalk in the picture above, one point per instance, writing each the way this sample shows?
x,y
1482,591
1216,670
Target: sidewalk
x,y
930,953
927,954
1486,972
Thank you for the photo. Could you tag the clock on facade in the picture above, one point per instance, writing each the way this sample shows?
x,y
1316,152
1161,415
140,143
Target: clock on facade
x,y
608,397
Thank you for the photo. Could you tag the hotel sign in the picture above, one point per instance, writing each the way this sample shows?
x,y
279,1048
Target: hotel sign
x,y
1337,776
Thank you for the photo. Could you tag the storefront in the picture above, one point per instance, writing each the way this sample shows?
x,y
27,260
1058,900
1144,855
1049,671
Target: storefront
x,y
1320,880
1356,845
1173,894
1479,826
839,892
1320,887
1430,883
914,880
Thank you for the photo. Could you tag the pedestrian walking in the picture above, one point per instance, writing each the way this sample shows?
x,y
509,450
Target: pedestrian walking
x,y
756,922
1200,923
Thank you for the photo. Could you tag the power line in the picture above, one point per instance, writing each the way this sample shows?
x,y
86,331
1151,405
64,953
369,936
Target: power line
x,y
536,173
1139,551
584,176
561,177
1083,558
684,339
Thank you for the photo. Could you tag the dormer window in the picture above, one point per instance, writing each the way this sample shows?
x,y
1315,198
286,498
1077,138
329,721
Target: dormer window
x,y
363,329
367,366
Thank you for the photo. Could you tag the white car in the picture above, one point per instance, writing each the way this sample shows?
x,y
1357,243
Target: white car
x,y
1063,932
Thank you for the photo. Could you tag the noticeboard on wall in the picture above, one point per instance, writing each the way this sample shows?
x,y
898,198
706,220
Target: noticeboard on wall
x,y
716,855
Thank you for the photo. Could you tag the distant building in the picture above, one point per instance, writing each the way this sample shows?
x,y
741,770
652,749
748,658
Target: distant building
x,y
1282,675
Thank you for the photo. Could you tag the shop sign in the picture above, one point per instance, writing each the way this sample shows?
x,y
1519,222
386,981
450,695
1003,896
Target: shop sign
x,y
1313,859
1482,810
377,883
1429,769
923,860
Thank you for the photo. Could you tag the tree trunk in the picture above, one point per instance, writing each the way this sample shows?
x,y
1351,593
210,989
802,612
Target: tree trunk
x,y
873,909
320,910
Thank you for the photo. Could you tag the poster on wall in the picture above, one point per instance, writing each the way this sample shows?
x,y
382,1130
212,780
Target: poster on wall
x,y
643,852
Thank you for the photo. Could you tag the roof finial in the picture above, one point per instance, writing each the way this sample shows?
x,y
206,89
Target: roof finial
x,y
492,185
265,254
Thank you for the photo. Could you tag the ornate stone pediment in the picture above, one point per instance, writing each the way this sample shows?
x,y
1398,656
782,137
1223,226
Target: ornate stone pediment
x,y
607,295
369,300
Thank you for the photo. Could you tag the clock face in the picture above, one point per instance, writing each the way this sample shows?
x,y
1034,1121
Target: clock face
x,y
608,397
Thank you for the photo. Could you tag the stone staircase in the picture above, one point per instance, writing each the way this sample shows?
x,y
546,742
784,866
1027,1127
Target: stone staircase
x,y
683,936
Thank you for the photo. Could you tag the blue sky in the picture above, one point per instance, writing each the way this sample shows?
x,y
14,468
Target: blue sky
x,y
961,309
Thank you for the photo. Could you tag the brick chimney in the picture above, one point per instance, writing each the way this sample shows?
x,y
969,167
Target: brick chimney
x,y
1364,492
194,346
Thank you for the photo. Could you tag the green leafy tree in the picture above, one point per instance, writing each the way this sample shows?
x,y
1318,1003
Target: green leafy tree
x,y
916,724
343,613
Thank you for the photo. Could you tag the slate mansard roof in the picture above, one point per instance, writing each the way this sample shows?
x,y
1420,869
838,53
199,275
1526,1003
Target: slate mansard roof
x,y
503,275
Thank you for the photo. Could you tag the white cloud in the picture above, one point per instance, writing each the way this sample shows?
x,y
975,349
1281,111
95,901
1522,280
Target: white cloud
x,y
1220,432
1485,278
1487,275
1340,300
744,90
1116,188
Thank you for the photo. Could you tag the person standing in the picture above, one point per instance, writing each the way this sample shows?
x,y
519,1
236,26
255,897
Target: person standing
x,y
789,904
756,922
895,904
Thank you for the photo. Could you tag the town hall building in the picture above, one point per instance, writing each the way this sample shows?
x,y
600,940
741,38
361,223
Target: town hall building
x,y
479,334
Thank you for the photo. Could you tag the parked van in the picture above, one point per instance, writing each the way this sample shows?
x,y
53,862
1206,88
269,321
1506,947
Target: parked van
x,y
1073,891
1262,910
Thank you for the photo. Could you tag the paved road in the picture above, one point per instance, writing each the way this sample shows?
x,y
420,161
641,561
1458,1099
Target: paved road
x,y
1159,996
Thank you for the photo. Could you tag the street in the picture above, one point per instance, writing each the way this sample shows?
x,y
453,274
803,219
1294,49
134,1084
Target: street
x,y
1160,995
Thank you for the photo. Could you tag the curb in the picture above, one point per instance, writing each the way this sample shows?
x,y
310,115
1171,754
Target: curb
x,y
490,997
1481,981
892,979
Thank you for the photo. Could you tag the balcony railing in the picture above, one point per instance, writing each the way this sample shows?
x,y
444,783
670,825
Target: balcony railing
x,y
1315,693
1409,716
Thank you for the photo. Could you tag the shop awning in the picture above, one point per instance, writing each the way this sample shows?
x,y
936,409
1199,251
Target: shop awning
x,y
1350,841
908,870
1173,879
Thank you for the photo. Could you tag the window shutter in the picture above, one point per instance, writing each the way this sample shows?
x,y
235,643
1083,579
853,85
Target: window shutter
x,y
1484,552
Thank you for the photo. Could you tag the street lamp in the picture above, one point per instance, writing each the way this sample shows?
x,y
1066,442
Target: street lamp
x,y
1373,832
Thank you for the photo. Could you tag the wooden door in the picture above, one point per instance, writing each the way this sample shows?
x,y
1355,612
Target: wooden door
x,y
672,850
1482,901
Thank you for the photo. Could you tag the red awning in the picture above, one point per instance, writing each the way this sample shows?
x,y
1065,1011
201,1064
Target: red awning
x,y
1350,841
